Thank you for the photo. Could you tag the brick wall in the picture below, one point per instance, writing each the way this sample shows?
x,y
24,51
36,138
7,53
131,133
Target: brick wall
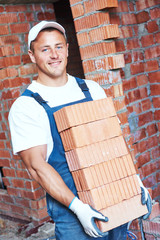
x,y
139,41
23,198
107,31
119,46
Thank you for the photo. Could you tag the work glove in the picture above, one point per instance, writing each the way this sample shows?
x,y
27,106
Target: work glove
x,y
145,198
86,216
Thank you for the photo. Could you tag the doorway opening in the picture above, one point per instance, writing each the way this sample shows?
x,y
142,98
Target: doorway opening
x,y
64,17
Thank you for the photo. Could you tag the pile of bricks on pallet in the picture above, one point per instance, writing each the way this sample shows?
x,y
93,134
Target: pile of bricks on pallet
x,y
99,160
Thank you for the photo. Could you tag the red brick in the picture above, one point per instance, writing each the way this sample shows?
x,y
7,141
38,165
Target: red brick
x,y
120,47
142,17
152,26
134,108
28,69
138,135
129,84
8,172
29,16
19,28
145,118
122,7
88,66
152,52
4,154
142,80
133,43
115,62
100,64
77,10
156,102
155,152
137,68
127,57
150,168
16,8
151,227
99,5
73,1
155,89
147,144
151,65
5,40
154,13
83,38
156,115
126,32
98,49
22,202
106,32
152,129
88,6
95,20
22,17
8,18
22,174
154,77
142,4
18,183
156,191
115,19
46,15
146,104
31,185
143,159
4,30
137,56
147,40
157,37
128,18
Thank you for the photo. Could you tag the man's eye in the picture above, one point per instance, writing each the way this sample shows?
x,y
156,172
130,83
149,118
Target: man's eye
x,y
44,50
59,47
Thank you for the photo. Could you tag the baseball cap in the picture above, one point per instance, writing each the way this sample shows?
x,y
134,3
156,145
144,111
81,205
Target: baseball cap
x,y
33,33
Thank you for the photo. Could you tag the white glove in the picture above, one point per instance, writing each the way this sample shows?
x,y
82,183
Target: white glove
x,y
145,198
86,216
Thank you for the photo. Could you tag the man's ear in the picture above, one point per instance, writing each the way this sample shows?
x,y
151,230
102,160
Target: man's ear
x,y
31,54
67,49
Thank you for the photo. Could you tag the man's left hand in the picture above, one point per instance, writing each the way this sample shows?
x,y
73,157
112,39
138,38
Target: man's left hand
x,y
145,198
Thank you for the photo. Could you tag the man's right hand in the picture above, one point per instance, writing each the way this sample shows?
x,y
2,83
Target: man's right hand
x,y
86,216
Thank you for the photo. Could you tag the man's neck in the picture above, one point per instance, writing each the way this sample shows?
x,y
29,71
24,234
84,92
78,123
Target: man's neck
x,y
53,82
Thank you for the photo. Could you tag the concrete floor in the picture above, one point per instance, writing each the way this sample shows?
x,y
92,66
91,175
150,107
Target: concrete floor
x,y
9,230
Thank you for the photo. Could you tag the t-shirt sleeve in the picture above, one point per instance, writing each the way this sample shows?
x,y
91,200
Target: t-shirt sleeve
x,y
97,92
28,122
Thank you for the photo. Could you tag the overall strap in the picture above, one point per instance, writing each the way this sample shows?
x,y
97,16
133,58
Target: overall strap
x,y
37,97
83,87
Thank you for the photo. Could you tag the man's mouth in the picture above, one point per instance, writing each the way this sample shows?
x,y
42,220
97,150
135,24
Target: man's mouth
x,y
55,63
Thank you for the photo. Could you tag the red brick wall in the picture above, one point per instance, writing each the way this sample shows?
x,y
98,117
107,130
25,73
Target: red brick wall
x,y
135,87
140,42
23,198
102,44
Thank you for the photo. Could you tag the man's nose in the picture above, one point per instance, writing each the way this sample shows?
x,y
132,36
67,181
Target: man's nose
x,y
54,53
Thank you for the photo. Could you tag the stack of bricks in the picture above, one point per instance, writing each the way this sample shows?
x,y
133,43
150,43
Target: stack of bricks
x,y
99,160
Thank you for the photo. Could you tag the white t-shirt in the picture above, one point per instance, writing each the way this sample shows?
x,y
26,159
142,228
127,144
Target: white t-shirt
x,y
29,124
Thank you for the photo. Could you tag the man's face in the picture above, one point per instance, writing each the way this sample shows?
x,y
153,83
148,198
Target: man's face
x,y
50,54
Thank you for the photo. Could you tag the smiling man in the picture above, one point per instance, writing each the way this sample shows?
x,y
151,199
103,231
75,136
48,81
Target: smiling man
x,y
36,139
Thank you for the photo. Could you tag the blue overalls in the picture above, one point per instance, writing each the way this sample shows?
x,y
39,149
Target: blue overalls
x,y
67,225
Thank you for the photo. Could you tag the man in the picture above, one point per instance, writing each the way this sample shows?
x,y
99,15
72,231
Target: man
x,y
36,140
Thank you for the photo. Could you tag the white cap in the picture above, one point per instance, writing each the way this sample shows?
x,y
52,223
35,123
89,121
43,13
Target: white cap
x,y
34,31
